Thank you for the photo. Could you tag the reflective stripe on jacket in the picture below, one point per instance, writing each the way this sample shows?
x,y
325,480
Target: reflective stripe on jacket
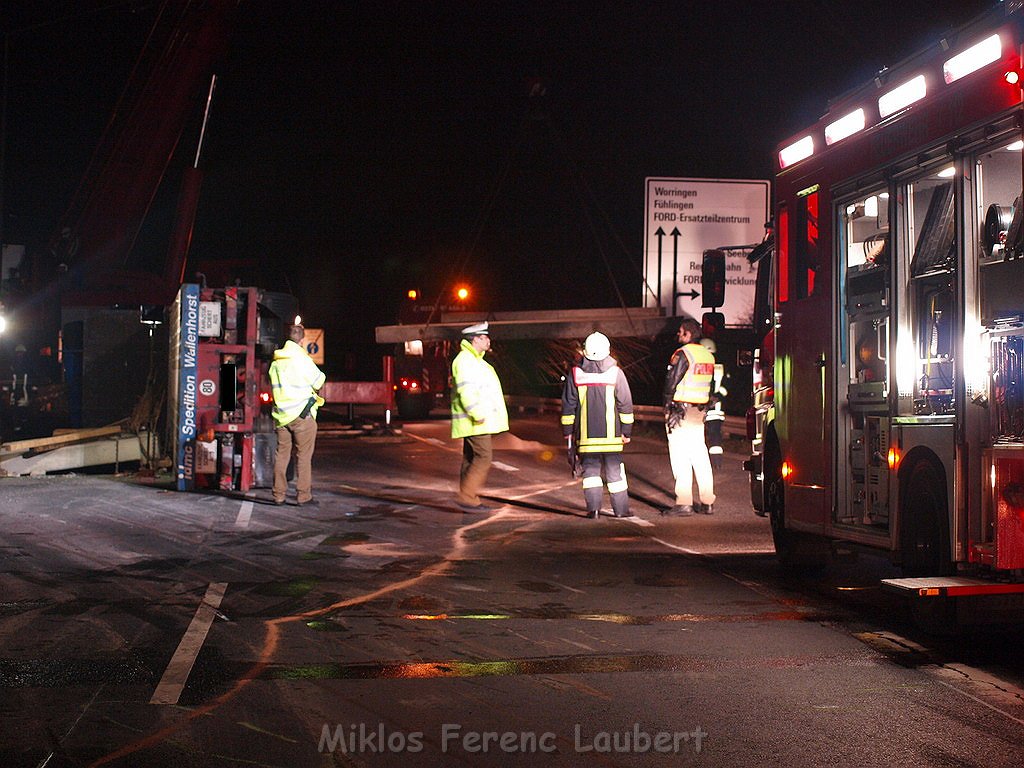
x,y
478,405
596,396
716,412
294,378
695,384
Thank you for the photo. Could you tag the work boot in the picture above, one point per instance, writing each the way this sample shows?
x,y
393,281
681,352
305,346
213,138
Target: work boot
x,y
679,510
593,514
704,509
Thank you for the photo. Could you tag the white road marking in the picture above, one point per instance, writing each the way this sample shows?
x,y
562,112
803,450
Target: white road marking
x,y
687,550
244,515
980,701
957,677
448,447
169,689
999,688
589,648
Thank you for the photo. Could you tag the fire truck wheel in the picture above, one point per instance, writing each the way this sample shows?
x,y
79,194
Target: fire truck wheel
x,y
924,524
798,552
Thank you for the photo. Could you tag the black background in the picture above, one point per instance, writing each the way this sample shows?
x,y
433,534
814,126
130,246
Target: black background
x,y
359,149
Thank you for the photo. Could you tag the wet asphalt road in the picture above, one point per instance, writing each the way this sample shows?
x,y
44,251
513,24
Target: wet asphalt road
x,y
141,627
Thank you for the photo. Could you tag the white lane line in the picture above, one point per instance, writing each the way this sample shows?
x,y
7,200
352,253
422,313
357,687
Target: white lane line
x,y
1001,688
435,441
169,689
448,447
1002,712
673,546
244,515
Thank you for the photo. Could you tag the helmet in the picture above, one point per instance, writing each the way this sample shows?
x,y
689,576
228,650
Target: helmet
x,y
709,345
596,347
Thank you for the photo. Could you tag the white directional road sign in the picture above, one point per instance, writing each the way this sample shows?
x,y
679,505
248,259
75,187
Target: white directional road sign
x,y
685,217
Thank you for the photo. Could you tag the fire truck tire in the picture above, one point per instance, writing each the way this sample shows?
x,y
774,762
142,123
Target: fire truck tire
x,y
924,524
797,551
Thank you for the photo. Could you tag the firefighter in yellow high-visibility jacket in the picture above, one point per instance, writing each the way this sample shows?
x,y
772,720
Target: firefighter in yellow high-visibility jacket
x,y
687,393
597,407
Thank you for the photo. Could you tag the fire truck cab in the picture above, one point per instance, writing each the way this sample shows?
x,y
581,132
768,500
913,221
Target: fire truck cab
x,y
889,408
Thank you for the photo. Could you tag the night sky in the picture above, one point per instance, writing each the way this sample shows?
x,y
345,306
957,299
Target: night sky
x,y
358,149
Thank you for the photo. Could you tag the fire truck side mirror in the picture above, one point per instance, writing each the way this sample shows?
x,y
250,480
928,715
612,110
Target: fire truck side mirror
x,y
711,323
712,279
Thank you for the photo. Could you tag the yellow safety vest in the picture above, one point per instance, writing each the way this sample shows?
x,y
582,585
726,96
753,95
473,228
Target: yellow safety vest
x,y
695,386
294,378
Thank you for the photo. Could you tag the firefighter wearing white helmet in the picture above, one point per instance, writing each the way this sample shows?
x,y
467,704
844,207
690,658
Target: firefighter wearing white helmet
x,y
597,411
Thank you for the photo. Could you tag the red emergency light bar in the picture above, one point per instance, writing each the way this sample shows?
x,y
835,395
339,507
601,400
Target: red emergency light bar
x,y
918,83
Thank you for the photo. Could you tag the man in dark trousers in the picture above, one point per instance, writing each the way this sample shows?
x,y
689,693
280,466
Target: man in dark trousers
x,y
597,407
478,413
296,380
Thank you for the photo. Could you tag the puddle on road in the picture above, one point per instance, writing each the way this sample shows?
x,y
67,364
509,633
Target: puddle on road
x,y
538,586
451,668
328,625
553,612
65,673
343,539
22,606
294,588
419,603
661,580
550,665
324,555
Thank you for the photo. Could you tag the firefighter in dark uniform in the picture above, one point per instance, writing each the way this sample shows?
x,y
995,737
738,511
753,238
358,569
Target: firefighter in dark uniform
x,y
714,416
597,408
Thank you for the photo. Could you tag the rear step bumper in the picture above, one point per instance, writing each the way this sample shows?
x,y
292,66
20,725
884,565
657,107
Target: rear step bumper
x,y
951,586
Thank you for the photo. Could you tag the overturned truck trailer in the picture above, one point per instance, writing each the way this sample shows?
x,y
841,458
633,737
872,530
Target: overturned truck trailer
x,y
222,341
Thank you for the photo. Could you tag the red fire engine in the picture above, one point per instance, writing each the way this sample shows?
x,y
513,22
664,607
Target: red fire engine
x,y
889,401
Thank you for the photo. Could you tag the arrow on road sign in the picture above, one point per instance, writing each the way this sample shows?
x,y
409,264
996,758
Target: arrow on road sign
x,y
675,259
659,233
